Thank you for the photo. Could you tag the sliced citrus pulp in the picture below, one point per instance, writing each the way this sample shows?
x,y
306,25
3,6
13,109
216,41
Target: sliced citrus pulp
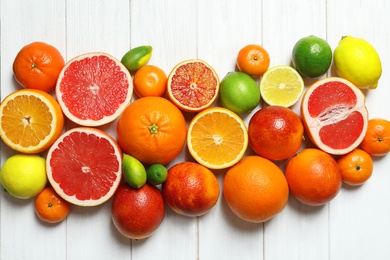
x,y
193,85
334,115
93,89
31,120
217,138
84,166
281,85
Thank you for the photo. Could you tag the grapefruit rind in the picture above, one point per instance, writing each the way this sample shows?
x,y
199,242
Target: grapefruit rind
x,y
336,128
74,160
80,101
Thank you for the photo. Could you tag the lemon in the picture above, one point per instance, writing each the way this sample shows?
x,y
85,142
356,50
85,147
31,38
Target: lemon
x,y
24,175
156,174
281,85
136,57
134,171
357,61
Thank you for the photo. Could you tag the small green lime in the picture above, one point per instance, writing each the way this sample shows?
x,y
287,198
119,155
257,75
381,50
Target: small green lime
x,y
157,174
133,171
312,56
137,57
239,92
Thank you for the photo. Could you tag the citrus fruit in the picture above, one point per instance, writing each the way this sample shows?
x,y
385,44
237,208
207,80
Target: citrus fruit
x,y
30,120
313,176
334,114
312,56
253,60
134,171
357,61
84,166
152,129
93,89
190,189
37,66
217,138
255,189
137,213
239,92
193,85
377,139
50,207
356,167
281,85
137,57
150,80
275,132
23,175
157,174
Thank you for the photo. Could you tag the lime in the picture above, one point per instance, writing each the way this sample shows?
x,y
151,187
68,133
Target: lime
x,y
137,57
357,61
312,56
133,171
157,174
239,92
24,175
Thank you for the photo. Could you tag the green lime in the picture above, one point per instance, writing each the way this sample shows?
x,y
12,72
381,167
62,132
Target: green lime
x,y
312,56
239,92
157,174
137,57
24,175
133,171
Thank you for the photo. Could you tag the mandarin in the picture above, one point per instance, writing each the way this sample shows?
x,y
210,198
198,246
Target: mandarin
x,y
253,60
150,80
255,189
377,139
50,207
356,167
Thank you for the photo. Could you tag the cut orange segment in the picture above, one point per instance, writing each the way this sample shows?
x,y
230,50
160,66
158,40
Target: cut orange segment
x,y
193,85
217,138
30,121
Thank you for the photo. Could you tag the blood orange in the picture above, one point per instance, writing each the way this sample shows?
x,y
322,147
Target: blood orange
x,y
193,85
84,166
93,89
334,115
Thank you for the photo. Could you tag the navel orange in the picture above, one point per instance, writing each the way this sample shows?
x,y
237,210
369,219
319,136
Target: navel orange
x,y
377,139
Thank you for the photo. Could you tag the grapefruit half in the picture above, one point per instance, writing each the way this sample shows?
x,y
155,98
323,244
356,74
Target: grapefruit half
x,y
84,166
334,115
93,89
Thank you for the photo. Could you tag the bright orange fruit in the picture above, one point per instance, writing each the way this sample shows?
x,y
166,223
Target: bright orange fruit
x,y
150,80
50,207
253,60
356,167
377,139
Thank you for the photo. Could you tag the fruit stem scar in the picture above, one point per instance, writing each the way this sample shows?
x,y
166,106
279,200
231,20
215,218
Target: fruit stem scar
x,y
153,129
217,139
33,65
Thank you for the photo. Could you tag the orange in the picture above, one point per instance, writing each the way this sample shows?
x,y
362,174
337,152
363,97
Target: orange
x,y
190,189
255,189
377,139
275,132
30,120
137,213
50,207
313,176
152,129
217,138
356,167
253,60
37,66
193,85
150,80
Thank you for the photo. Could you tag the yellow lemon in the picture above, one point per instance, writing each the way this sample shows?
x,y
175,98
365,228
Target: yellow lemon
x,y
357,61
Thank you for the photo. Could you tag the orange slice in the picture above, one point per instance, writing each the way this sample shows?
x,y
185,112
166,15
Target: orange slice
x,y
30,120
217,138
193,85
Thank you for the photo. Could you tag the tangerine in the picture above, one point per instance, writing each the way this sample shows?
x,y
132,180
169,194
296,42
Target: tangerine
x,y
253,60
50,207
150,80
356,167
377,139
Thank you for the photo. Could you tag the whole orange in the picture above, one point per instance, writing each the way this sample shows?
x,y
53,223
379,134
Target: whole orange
x,y
253,60
150,80
377,139
137,213
356,167
275,132
50,207
38,65
313,176
152,129
255,189
190,189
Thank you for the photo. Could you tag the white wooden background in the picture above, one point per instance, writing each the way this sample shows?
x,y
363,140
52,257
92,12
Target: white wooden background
x,y
355,225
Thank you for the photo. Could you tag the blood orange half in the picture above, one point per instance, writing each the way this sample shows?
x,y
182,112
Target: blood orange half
x,y
334,115
93,89
84,166
193,85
